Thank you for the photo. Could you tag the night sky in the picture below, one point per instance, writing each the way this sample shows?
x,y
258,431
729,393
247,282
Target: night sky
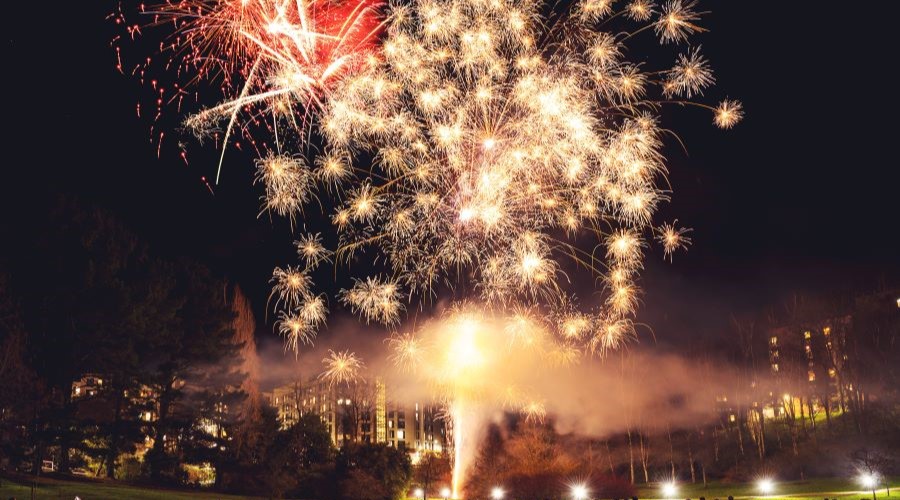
x,y
800,196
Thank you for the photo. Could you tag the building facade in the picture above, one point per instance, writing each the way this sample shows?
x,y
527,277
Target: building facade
x,y
362,412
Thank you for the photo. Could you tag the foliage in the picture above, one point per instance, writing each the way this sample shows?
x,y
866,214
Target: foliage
x,y
390,467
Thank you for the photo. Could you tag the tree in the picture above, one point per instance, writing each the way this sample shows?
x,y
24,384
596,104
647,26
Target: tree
x,y
390,467
432,470
19,389
89,291
183,356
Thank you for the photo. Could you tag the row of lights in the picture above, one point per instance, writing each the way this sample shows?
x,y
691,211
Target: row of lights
x,y
765,486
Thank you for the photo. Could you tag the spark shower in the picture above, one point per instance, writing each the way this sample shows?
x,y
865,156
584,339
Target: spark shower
x,y
506,153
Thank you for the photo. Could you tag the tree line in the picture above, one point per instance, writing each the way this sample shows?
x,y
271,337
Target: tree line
x,y
81,294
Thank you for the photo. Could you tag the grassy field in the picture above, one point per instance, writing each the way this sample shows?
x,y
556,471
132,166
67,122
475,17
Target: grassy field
x,y
54,489
796,490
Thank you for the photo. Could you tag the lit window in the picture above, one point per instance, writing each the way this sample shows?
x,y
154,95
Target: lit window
x,y
812,376
732,418
807,335
401,434
827,330
773,341
775,367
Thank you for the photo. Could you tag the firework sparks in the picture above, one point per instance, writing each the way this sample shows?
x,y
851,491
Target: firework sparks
x,y
408,351
502,149
289,286
295,329
728,114
312,251
341,368
278,58
376,299
673,238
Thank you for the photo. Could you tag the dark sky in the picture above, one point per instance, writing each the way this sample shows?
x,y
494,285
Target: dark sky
x,y
800,196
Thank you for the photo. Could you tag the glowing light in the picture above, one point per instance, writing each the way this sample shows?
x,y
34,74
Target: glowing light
x,y
419,493
445,493
669,489
579,492
497,493
765,486
868,480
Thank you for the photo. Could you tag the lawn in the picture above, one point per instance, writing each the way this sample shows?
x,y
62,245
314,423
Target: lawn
x,y
47,489
813,489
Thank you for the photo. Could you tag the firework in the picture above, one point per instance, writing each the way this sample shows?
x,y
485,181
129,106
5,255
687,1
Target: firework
x,y
672,238
408,351
503,151
274,61
505,161
341,368
295,329
728,114
474,360
376,299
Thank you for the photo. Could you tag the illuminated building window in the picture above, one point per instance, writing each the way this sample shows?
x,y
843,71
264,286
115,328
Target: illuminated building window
x,y
807,335
827,330
773,341
732,418
831,372
812,376
401,434
774,367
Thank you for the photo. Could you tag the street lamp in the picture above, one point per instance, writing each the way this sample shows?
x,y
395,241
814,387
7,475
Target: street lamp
x,y
579,492
445,493
869,480
497,493
669,489
419,493
765,486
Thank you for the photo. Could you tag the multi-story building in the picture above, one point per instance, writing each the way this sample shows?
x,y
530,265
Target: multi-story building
x,y
361,412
